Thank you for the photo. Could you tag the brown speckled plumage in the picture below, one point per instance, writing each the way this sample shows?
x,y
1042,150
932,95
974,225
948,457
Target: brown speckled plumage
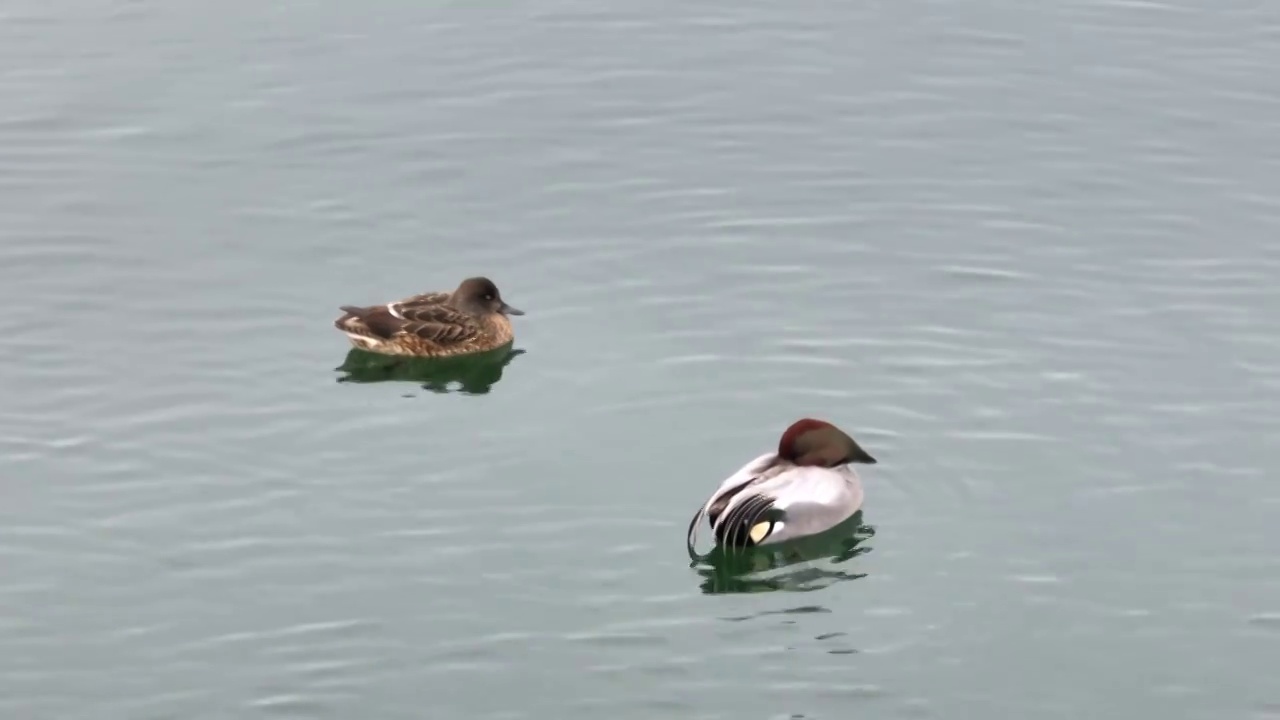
x,y
471,319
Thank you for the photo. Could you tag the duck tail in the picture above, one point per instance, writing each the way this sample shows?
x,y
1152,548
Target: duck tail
x,y
691,538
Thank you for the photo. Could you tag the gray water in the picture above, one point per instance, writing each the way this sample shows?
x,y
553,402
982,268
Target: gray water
x,y
1026,253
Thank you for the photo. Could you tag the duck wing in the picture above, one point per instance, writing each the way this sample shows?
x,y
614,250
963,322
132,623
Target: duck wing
x,y
749,474
429,298
384,321
435,322
440,324
748,522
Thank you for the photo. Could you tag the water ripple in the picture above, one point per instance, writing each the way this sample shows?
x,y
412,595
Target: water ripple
x,y
1031,272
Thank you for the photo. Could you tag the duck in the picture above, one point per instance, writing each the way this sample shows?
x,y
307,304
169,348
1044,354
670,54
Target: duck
x,y
803,488
472,319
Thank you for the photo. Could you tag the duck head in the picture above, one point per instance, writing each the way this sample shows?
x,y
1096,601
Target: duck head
x,y
817,442
479,296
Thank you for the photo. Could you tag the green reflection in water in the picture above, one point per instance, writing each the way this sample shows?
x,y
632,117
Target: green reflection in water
x,y
466,374
801,565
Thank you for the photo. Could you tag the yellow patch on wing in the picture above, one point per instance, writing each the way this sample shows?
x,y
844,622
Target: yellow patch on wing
x,y
760,531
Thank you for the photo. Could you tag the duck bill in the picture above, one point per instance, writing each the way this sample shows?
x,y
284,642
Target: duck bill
x,y
508,310
858,455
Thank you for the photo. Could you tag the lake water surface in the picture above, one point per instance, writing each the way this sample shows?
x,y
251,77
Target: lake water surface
x,y
1028,254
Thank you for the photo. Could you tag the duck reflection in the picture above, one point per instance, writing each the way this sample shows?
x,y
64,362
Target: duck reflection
x,y
806,563
467,374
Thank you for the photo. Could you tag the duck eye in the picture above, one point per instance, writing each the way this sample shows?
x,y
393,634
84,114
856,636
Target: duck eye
x,y
488,297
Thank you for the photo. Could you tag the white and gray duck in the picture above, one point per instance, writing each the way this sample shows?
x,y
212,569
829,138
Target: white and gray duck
x,y
804,488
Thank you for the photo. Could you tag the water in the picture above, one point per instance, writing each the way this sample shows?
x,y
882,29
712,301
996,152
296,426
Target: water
x,y
1025,253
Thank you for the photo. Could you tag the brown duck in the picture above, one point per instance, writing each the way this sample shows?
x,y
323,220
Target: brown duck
x,y
471,319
